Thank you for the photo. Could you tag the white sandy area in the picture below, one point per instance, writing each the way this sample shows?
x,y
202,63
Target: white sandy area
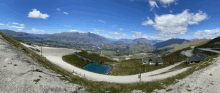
x,y
206,80
55,56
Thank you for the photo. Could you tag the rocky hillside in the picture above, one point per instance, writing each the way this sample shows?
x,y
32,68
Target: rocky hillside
x,y
19,73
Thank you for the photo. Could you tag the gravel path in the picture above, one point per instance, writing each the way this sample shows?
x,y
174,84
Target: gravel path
x,y
208,49
55,56
20,74
206,80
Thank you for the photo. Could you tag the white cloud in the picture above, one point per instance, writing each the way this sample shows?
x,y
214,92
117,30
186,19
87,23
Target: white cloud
x,y
95,29
101,21
15,23
22,25
76,31
114,26
148,22
105,35
153,4
139,35
36,30
115,32
171,11
95,32
175,24
1,24
19,29
120,29
65,13
37,14
166,3
209,34
58,9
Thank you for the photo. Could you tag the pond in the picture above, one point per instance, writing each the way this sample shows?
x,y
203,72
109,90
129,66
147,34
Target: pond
x,y
95,67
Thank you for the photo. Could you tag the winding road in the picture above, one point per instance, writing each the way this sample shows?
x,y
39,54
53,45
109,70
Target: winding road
x,y
55,56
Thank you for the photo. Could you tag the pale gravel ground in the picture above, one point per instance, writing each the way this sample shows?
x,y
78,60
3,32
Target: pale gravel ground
x,y
19,79
206,80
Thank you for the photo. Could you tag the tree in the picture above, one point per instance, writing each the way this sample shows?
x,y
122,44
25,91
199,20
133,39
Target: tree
x,y
156,64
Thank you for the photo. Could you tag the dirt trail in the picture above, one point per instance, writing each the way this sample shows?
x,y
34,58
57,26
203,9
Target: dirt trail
x,y
20,74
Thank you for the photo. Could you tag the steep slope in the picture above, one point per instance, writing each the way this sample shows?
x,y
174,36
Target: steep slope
x,y
214,43
170,42
20,73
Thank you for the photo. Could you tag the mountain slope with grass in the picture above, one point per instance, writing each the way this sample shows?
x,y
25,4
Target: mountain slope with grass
x,y
170,42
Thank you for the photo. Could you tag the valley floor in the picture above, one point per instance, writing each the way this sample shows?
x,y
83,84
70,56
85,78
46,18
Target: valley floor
x,y
20,74
55,56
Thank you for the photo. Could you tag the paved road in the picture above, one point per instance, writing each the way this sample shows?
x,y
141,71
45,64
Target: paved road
x,y
209,49
55,56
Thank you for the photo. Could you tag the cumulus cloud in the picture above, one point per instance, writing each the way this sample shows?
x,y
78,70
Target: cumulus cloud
x,y
171,11
65,13
58,9
114,26
37,14
148,22
209,34
95,32
76,31
175,23
15,23
153,4
115,32
137,34
120,29
36,30
166,3
101,21
105,35
1,24
95,29
19,29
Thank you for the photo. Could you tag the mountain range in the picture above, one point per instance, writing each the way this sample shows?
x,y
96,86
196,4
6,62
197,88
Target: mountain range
x,y
91,38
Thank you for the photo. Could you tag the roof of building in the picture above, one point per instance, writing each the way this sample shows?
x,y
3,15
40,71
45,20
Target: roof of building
x,y
201,55
153,59
195,58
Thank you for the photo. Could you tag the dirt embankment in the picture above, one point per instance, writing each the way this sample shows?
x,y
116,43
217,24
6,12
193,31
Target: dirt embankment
x,y
206,80
20,74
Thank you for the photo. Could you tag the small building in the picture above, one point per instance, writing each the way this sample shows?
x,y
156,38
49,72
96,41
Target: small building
x,y
201,55
152,60
195,59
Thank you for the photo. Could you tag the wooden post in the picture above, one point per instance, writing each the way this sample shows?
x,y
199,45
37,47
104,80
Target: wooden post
x,y
140,75
41,50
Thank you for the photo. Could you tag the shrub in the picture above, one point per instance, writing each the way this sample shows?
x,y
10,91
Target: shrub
x,y
156,64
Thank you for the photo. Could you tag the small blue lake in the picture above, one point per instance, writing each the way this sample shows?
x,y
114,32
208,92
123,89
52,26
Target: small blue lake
x,y
95,67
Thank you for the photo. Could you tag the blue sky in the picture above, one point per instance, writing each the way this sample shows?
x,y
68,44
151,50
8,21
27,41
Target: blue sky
x,y
150,19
